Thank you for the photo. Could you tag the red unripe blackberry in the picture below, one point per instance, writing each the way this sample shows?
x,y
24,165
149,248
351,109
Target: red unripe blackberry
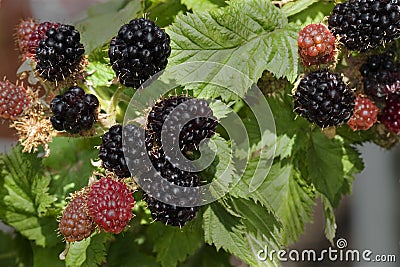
x,y
74,111
110,204
365,114
37,35
24,31
59,53
317,45
390,115
324,99
13,100
140,50
366,24
75,224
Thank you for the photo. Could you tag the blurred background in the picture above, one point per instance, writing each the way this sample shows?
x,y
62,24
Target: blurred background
x,y
368,219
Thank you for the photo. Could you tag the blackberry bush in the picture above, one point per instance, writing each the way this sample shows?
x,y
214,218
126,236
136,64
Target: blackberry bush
x,y
74,111
324,99
366,24
59,54
140,50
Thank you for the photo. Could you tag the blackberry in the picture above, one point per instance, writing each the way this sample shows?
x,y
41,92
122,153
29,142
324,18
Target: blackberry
x,y
14,100
365,114
75,224
38,35
316,45
174,114
74,111
381,76
140,50
390,116
110,204
324,99
157,192
123,151
59,53
366,24
23,32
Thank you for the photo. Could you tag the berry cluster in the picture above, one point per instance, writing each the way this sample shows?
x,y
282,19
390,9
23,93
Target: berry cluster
x,y
13,100
324,99
140,50
59,53
316,45
366,24
74,111
106,204
38,35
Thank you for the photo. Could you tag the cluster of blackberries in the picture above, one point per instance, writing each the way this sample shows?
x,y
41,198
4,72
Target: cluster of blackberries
x,y
324,99
178,122
74,111
366,24
140,50
59,53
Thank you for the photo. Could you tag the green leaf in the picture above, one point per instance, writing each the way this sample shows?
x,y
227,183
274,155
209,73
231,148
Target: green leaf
x,y
15,250
330,220
104,21
249,36
201,5
315,13
226,231
89,252
164,12
325,167
24,197
47,256
176,243
297,6
208,256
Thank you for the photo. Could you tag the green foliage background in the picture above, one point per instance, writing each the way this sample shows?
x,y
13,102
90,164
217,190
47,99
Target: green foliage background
x,y
253,36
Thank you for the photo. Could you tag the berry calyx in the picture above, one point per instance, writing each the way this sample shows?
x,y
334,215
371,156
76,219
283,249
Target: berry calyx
x,y
110,204
365,114
140,50
74,111
316,45
324,99
75,224
59,53
390,116
14,100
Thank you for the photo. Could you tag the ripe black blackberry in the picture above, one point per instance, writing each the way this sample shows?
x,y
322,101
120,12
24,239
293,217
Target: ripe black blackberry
x,y
140,50
324,99
366,24
123,151
380,76
74,111
157,192
183,119
59,53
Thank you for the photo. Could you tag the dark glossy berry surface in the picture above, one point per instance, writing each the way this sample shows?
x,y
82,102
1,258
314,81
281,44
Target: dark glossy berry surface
x,y
140,50
59,53
72,112
366,24
324,99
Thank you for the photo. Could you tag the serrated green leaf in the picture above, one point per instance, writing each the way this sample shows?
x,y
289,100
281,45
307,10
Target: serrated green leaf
x,y
89,252
164,12
226,231
297,6
104,22
201,5
325,167
24,197
249,36
176,243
